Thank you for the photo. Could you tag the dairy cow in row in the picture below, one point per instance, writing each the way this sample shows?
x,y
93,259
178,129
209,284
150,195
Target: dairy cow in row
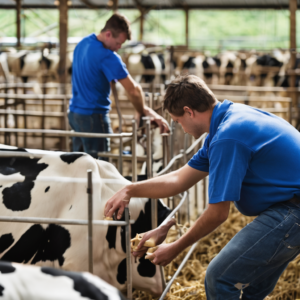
x,y
54,186
27,64
20,282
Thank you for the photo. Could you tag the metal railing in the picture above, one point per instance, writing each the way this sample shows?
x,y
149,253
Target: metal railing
x,y
66,134
89,222
184,197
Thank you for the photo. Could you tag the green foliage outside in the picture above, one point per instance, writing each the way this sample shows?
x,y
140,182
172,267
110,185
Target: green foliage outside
x,y
208,29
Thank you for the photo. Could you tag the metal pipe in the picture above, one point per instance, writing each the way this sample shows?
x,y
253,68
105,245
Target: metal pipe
x,y
172,138
65,105
128,254
67,133
174,210
149,173
165,150
62,221
115,93
90,219
178,271
134,157
124,156
180,155
185,161
149,152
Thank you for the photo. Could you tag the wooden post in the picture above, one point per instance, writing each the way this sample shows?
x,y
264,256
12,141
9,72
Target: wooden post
x,y
293,49
187,28
63,42
142,25
18,3
115,5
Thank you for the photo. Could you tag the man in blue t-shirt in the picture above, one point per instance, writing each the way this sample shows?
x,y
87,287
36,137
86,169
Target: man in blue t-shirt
x,y
253,159
95,65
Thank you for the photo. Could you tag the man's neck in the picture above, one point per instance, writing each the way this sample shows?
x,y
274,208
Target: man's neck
x,y
101,39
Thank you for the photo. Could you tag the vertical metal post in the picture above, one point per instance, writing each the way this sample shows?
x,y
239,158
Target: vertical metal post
x,y
186,137
172,137
149,152
115,93
90,219
165,150
134,159
67,139
128,254
149,174
43,119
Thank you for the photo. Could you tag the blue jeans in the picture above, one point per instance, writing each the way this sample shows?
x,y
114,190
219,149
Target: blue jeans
x,y
95,123
256,256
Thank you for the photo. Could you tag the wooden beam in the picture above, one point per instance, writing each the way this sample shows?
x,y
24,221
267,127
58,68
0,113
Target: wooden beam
x,y
293,46
63,41
142,18
187,27
89,4
18,3
115,5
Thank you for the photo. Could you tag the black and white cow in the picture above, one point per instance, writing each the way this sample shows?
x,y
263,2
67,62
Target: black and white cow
x,y
54,186
21,282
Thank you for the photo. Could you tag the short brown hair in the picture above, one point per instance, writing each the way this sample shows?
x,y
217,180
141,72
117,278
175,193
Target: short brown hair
x,y
118,23
188,90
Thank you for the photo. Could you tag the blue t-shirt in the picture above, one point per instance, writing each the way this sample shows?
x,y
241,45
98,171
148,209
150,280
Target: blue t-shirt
x,y
94,67
253,158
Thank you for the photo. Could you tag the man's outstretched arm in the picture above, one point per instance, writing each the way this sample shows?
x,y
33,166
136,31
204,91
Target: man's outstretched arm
x,y
159,187
136,97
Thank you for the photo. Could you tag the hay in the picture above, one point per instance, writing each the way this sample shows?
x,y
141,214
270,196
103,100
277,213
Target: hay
x,y
189,285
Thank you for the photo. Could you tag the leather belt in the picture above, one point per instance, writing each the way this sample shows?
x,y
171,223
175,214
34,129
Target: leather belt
x,y
294,200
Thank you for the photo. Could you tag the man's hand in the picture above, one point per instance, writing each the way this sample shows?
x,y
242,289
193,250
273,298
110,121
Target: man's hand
x,y
158,235
117,203
156,118
164,254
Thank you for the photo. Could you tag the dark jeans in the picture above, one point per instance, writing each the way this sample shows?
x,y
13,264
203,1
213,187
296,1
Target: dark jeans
x,y
256,256
95,123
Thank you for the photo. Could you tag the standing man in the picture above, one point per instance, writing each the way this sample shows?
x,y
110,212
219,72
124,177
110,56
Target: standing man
x,y
252,158
95,65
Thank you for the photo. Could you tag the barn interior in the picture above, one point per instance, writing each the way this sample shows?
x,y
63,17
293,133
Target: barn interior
x,y
170,38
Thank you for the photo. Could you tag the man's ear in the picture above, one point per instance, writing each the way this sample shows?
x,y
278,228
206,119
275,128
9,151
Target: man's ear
x,y
108,34
188,110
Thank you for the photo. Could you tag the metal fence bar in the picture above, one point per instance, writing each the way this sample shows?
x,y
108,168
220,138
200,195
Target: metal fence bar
x,y
62,221
124,156
128,254
183,197
68,133
133,156
178,271
185,161
90,219
170,164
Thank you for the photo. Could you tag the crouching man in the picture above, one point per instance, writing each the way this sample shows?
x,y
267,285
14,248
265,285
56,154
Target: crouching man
x,y
252,158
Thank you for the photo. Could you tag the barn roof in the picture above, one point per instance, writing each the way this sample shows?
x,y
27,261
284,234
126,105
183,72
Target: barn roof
x,y
157,4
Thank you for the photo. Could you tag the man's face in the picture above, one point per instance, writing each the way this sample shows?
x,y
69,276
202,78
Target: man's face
x,y
114,43
189,125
